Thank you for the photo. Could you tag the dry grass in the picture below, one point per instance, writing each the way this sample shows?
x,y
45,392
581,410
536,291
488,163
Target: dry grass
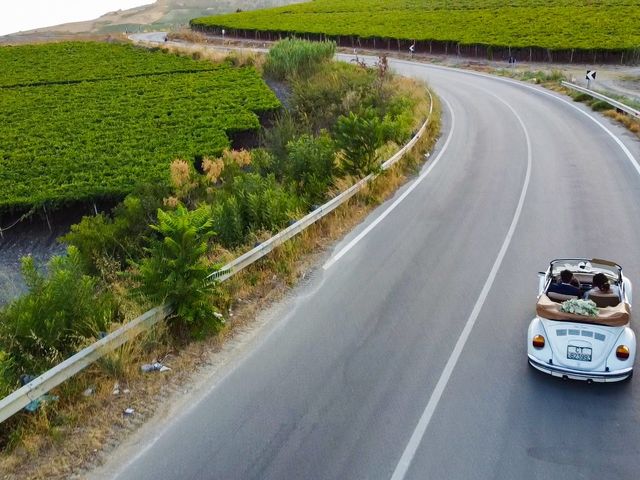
x,y
198,48
630,123
239,58
198,52
187,35
81,431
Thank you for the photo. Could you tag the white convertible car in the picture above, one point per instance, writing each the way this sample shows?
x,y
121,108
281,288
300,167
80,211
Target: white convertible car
x,y
599,347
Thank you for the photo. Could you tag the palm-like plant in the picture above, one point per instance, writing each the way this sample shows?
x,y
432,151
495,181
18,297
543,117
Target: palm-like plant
x,y
175,270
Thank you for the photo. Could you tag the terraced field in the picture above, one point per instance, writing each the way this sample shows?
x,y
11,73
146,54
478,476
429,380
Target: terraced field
x,y
595,26
84,121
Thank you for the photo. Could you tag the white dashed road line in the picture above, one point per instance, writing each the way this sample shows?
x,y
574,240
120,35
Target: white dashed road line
x,y
416,438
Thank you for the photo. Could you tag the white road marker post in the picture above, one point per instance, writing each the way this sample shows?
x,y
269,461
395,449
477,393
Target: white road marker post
x,y
591,75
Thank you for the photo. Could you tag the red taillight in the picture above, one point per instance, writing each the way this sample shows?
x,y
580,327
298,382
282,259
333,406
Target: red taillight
x,y
538,341
622,352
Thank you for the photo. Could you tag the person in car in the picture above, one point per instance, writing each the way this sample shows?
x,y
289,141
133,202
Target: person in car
x,y
601,286
566,285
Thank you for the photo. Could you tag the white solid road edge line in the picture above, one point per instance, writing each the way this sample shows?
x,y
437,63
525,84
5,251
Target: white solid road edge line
x,y
416,438
391,207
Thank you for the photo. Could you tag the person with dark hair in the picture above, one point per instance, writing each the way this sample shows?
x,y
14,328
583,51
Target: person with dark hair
x,y
602,286
566,285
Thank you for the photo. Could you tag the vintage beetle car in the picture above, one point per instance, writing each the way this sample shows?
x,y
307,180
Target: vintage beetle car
x,y
599,348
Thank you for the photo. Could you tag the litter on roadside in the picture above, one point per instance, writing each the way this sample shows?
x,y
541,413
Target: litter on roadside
x,y
154,367
116,389
89,391
24,379
33,405
128,411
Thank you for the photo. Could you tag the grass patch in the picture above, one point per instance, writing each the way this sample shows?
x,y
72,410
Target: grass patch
x,y
295,58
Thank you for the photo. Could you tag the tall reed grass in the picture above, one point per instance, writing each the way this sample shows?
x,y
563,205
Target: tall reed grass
x,y
292,58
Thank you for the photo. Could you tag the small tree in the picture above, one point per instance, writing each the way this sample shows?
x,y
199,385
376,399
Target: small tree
x,y
176,272
359,136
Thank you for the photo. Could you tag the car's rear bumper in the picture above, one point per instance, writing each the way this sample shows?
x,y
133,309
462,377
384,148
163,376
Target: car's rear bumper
x,y
567,373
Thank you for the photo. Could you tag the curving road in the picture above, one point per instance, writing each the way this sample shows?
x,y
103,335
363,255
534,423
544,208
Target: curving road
x,y
405,357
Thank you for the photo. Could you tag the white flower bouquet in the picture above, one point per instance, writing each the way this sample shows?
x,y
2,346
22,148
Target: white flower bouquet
x,y
587,308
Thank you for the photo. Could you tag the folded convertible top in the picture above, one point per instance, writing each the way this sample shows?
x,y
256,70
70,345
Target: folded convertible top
x,y
613,316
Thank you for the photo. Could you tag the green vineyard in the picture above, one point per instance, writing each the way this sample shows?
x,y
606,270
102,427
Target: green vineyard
x,y
75,61
87,121
604,26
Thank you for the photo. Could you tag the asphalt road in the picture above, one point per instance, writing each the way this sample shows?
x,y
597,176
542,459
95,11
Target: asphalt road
x,y
361,378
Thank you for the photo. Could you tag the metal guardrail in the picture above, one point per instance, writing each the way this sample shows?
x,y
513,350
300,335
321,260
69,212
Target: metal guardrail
x,y
19,399
72,365
621,106
267,246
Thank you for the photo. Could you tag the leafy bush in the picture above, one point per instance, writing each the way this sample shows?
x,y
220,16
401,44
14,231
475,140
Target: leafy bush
x,y
600,105
252,203
581,97
275,139
541,76
264,162
359,136
333,91
61,310
292,58
120,236
7,375
397,114
176,272
311,166
228,222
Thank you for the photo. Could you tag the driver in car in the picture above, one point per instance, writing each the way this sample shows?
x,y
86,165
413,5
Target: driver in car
x,y
568,285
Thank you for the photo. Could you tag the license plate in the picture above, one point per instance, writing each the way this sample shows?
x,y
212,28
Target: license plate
x,y
579,353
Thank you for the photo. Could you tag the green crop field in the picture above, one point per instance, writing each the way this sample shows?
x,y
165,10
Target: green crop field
x,y
602,25
93,123
76,61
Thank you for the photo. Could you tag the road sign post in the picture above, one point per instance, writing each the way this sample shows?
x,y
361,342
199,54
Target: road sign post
x,y
591,75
